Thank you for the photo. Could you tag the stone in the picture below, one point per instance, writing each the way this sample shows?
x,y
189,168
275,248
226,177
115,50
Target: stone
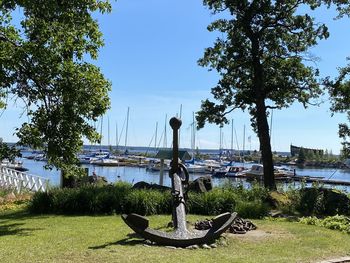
x,y
205,246
193,247
170,247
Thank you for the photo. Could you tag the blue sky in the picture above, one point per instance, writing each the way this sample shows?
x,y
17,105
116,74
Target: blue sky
x,y
150,55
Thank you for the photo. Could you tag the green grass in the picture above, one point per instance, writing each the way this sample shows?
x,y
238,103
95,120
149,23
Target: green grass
x,y
52,238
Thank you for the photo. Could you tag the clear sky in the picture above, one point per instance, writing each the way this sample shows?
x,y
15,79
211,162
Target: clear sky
x,y
150,55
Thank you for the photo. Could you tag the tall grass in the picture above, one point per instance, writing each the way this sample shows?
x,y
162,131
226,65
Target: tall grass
x,y
121,198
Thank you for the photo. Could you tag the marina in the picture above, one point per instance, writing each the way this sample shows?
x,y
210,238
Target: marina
x,y
339,178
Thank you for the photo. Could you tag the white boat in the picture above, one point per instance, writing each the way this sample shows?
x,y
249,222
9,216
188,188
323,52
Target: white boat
x,y
107,162
234,171
195,168
16,165
257,171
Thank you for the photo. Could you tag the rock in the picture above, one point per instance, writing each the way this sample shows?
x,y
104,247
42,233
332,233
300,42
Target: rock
x,y
144,185
205,246
171,247
193,247
202,184
148,242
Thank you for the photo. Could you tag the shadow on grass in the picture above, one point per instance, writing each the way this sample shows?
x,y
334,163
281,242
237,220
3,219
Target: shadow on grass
x,y
19,215
131,240
15,229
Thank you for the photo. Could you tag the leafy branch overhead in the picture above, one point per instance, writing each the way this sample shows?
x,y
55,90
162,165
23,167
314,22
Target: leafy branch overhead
x,y
339,91
43,64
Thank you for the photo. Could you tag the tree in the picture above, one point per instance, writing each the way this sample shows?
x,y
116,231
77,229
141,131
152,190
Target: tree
x,y
7,152
301,156
339,91
262,63
43,64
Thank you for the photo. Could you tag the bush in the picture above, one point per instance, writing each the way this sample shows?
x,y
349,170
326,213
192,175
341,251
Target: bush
x,y
323,202
88,199
252,209
337,222
121,198
147,202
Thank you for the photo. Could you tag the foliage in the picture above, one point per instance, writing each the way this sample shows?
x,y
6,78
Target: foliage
x,y
121,198
261,62
11,201
301,156
88,199
7,152
147,202
42,57
337,222
323,202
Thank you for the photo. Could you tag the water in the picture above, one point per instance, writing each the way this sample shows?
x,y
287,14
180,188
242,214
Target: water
x,y
135,174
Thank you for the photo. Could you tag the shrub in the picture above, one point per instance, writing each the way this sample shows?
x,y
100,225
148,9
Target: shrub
x,y
252,209
337,222
147,202
322,201
214,202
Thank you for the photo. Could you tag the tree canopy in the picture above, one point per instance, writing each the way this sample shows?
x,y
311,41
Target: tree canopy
x,y
44,47
262,61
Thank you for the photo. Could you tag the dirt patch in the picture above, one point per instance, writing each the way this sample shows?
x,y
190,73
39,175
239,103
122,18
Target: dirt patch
x,y
259,234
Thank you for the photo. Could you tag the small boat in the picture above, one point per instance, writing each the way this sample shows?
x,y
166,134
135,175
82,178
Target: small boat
x,y
229,171
234,171
107,162
195,168
257,172
15,165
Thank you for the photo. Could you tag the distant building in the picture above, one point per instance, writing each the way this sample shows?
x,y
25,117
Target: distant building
x,y
294,150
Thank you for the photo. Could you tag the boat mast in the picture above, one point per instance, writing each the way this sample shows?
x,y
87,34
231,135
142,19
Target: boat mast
x,y
116,135
232,138
220,143
180,127
165,138
127,126
155,139
109,142
271,127
101,132
193,134
243,140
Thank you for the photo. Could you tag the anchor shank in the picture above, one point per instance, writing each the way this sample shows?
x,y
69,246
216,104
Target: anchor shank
x,y
179,212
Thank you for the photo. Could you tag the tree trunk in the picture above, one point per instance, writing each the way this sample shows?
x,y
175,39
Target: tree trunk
x,y
265,145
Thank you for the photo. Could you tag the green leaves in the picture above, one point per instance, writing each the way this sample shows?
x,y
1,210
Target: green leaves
x,y
262,63
42,63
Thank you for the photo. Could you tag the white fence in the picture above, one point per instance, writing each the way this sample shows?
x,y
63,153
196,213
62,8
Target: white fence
x,y
22,181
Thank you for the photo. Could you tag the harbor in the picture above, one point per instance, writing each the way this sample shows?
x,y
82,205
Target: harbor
x,y
131,173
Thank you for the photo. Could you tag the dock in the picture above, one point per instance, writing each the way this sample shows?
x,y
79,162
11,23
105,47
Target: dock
x,y
296,178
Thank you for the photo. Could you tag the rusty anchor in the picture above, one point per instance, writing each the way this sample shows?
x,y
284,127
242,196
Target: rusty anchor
x,y
181,236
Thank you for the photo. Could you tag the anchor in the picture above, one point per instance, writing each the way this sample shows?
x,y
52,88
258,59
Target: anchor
x,y
181,236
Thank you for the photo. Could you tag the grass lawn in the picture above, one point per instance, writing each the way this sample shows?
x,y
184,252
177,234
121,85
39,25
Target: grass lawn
x,y
32,238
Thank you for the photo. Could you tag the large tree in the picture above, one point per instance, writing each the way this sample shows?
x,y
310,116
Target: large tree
x,y
339,90
263,63
44,46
